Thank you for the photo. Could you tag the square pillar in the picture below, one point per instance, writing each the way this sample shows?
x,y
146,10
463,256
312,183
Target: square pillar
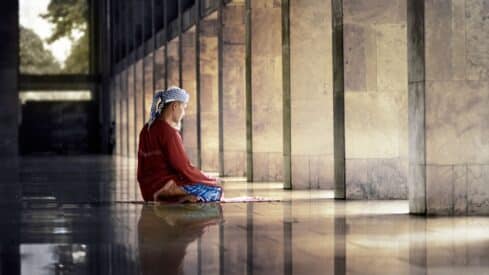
x,y
266,88
209,101
148,86
311,95
232,67
117,116
449,107
123,112
9,66
376,116
131,111
189,83
139,100
173,74
160,68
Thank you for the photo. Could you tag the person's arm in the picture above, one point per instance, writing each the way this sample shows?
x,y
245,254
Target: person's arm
x,y
180,162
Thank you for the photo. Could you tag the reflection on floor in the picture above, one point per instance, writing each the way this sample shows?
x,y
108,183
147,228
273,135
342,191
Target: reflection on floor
x,y
76,216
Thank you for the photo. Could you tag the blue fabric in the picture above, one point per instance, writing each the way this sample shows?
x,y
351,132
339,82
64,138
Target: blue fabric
x,y
204,192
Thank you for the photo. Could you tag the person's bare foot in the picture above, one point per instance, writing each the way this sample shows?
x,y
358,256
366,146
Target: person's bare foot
x,y
189,199
169,190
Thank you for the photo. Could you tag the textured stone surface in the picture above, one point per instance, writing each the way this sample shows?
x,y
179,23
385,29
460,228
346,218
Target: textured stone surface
x,y
267,90
439,190
477,39
417,148
267,166
438,40
233,81
456,122
189,82
374,11
456,109
372,124
391,57
376,99
209,94
312,171
376,178
478,189
355,57
311,94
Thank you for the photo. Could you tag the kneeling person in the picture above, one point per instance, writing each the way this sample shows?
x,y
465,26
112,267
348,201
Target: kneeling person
x,y
164,170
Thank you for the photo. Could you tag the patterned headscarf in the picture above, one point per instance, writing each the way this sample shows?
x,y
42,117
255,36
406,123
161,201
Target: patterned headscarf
x,y
171,94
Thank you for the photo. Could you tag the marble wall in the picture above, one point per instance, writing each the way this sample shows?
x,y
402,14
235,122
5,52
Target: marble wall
x,y
233,86
457,107
311,95
376,114
266,86
189,83
209,101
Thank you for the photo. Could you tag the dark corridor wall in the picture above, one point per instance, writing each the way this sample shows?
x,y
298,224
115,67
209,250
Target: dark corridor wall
x,y
59,127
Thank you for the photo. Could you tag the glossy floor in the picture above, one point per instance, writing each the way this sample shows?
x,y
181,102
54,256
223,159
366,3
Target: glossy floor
x,y
81,216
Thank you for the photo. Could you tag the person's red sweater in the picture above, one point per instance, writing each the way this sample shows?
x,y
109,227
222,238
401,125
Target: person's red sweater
x,y
161,157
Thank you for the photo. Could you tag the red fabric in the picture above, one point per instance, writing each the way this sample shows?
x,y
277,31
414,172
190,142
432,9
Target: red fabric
x,y
161,157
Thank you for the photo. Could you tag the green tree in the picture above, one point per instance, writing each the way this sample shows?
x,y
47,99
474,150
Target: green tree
x,y
70,17
34,58
77,61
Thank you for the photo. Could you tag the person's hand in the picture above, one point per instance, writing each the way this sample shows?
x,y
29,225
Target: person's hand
x,y
219,181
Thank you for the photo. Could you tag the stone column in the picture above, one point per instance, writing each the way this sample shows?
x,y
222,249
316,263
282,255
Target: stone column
x,y
131,112
139,100
148,86
189,83
10,189
9,65
416,90
160,69
376,134
173,75
117,115
124,113
456,108
233,89
266,86
311,95
209,102
338,98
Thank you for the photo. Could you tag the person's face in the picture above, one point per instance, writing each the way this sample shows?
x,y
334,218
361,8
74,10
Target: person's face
x,y
178,111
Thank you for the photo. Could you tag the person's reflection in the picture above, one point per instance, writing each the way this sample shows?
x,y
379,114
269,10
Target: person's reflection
x,y
165,231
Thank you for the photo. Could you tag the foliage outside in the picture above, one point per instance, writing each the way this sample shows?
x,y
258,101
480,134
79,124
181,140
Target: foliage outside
x,y
69,19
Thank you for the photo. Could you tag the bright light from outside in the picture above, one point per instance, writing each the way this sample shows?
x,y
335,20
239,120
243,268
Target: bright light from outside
x,y
55,96
53,48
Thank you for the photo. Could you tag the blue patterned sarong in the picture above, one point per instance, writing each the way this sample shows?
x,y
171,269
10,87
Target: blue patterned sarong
x,y
204,192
